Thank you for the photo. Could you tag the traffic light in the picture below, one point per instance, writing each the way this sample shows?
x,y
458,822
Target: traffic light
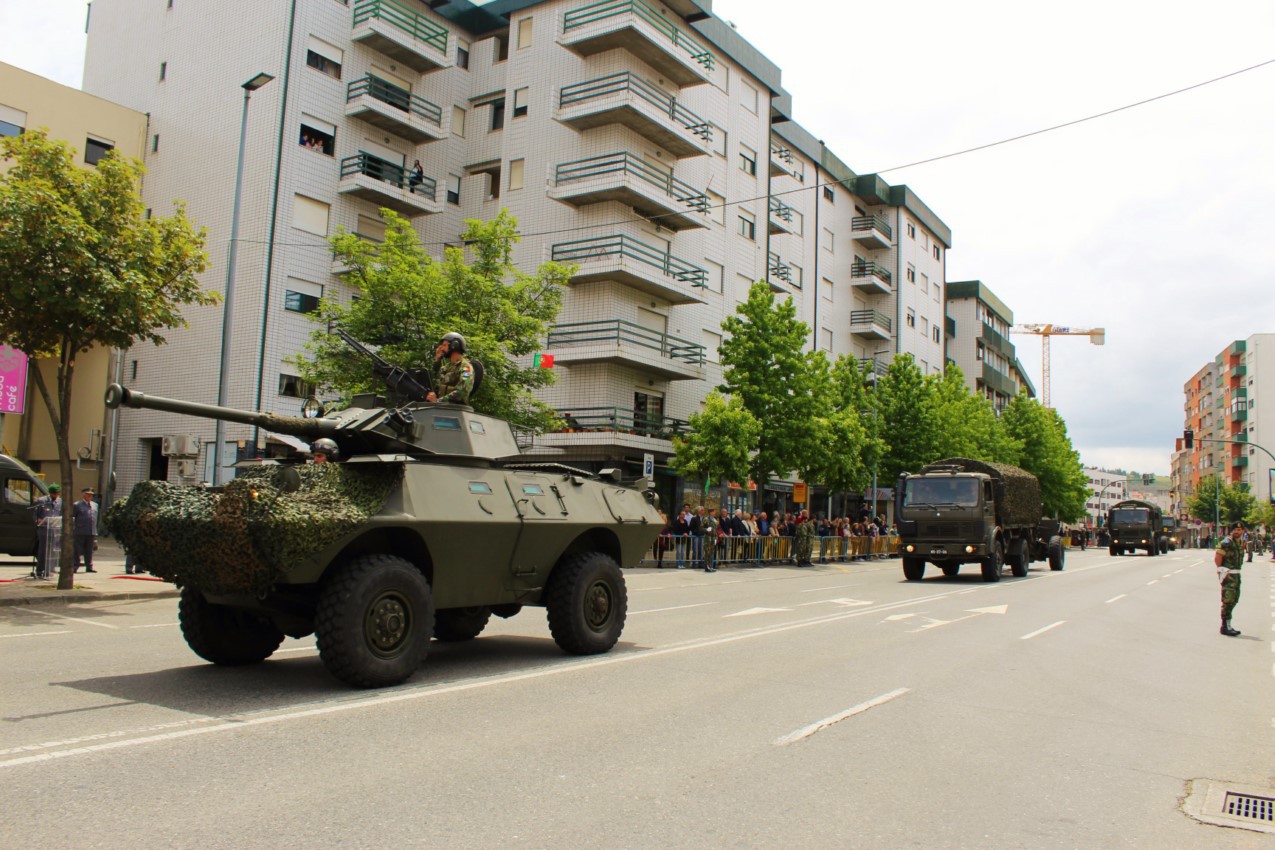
x,y
1188,438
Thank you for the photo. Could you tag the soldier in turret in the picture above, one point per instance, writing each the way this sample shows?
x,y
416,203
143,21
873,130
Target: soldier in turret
x,y
455,372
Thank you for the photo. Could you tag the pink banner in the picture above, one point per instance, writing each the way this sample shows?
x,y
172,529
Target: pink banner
x,y
13,380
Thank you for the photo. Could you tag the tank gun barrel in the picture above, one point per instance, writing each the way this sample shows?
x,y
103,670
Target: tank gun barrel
x,y
118,396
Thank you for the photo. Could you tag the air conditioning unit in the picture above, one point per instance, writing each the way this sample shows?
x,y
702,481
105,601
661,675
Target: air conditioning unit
x,y
180,445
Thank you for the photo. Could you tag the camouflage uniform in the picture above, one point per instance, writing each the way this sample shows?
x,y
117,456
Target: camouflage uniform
x,y
708,550
1229,574
455,380
805,542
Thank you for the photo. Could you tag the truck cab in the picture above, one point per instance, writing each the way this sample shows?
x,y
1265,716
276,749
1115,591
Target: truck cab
x,y
947,518
1132,525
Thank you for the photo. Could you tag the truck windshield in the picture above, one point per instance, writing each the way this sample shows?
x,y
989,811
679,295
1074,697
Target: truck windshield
x,y
941,491
1130,516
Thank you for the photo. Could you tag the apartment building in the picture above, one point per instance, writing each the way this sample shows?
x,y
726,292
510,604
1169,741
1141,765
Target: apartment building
x,y
978,342
646,143
1105,489
92,126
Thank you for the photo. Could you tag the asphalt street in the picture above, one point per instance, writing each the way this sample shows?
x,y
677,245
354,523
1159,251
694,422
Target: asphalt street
x,y
832,707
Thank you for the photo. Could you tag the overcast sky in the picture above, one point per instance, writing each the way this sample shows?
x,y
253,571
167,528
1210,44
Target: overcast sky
x,y
1154,223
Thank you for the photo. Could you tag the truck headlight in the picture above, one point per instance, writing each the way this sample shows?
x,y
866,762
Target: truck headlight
x,y
911,548
969,550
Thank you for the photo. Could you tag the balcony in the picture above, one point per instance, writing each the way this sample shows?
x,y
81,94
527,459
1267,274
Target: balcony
x,y
650,190
615,426
778,270
783,218
871,231
782,161
870,324
872,278
394,109
1239,414
402,34
1239,460
618,341
626,260
648,110
634,26
1240,370
873,369
994,339
387,184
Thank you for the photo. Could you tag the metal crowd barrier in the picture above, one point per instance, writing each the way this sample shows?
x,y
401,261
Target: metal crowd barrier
x,y
689,551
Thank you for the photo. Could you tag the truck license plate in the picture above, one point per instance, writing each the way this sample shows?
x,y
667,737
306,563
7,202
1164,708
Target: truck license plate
x,y
938,550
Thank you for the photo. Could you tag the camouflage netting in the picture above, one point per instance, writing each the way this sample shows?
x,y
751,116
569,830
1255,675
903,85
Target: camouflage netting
x,y
1022,504
244,538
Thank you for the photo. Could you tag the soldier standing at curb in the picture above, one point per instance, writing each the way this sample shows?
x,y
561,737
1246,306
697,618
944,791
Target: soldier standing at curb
x,y
709,527
1229,559
805,539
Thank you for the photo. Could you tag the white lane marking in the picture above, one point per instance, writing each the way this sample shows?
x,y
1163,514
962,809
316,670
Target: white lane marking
x,y
1175,572
1031,635
807,731
963,592
829,587
76,620
671,608
842,601
1153,581
752,611
1170,575
157,626
40,634
973,612
1114,598
897,617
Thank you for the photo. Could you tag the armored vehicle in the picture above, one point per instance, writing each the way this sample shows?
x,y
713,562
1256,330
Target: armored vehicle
x,y
426,527
1134,524
961,511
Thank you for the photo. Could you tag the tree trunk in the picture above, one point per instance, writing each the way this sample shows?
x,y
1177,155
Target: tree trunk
x,y
60,416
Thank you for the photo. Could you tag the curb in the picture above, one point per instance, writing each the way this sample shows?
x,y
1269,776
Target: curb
x,y
71,597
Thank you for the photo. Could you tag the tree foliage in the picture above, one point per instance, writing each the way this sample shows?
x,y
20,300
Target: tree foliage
x,y
719,445
1217,500
907,416
408,300
966,425
853,448
81,265
1047,453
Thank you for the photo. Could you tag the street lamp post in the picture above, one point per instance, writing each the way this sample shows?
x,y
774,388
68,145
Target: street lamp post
x,y
228,312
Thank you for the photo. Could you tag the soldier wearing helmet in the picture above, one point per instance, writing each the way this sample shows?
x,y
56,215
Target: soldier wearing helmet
x,y
455,372
325,450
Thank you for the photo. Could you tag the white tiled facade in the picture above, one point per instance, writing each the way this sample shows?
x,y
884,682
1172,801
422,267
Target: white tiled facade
x,y
623,138
1105,490
980,343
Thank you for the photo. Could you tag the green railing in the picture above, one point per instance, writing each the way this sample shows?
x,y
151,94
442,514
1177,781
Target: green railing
x,y
784,155
611,8
780,210
388,172
618,330
871,317
394,96
413,23
621,421
872,366
626,81
1239,460
867,268
626,163
601,247
779,269
872,222
1240,370
998,381
996,340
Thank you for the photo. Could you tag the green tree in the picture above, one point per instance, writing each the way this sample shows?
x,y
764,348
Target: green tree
x,y
1229,503
1205,503
763,365
719,445
966,425
408,300
81,265
1047,453
853,447
908,426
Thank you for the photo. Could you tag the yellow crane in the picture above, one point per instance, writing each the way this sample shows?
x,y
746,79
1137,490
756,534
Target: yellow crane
x,y
1097,336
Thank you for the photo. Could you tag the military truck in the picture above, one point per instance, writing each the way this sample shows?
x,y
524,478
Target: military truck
x,y
1169,536
963,511
1134,524
427,526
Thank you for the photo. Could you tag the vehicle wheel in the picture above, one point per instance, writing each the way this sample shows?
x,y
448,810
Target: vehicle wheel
x,y
1057,554
913,569
225,635
374,620
457,624
587,603
1151,547
1018,558
993,563
1113,551
950,570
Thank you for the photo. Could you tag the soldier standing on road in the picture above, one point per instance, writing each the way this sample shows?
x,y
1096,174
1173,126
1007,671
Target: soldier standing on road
x,y
1229,559
84,526
805,539
708,525
455,372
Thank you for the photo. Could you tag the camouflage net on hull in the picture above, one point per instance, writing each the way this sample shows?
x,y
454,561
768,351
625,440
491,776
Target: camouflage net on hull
x,y
1021,505
243,539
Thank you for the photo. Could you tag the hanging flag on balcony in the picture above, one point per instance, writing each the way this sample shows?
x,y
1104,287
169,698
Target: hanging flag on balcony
x,y
544,361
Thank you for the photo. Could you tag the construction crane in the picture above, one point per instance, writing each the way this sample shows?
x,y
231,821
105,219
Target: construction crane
x,y
1097,336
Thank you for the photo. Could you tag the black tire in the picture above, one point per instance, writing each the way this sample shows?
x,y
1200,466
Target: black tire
x,y
913,568
1113,551
225,635
950,570
374,620
1151,549
994,563
457,624
1057,554
587,603
1018,558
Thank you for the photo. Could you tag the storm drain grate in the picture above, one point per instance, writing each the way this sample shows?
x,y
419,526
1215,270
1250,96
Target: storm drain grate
x,y
1250,807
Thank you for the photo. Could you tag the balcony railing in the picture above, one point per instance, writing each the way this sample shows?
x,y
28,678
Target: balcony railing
x,y
387,172
627,333
399,98
873,366
628,83
606,247
630,180
410,22
872,222
781,217
779,269
620,420
626,163
870,318
997,341
680,42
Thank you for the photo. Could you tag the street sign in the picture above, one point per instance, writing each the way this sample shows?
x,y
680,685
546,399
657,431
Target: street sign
x,y
799,492
648,466
13,380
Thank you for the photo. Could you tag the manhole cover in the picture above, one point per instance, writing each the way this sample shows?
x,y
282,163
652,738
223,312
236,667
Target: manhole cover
x,y
1231,804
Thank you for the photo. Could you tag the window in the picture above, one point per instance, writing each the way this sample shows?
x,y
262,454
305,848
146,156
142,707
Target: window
x,y
324,58
163,71
925,283
299,302
747,226
829,195
716,277
796,275
95,149
317,136
712,346
716,207
749,98
516,169
18,491
648,412
936,334
825,289
491,171
978,352
911,273
747,160
911,230
12,121
291,386
458,122
462,54
498,115
825,339
155,143
520,102
453,189
524,33
925,326
501,44
937,253
719,139
310,215
911,318
371,229
829,239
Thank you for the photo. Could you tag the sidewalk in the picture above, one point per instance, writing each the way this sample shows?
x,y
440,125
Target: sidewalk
x,y
108,582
